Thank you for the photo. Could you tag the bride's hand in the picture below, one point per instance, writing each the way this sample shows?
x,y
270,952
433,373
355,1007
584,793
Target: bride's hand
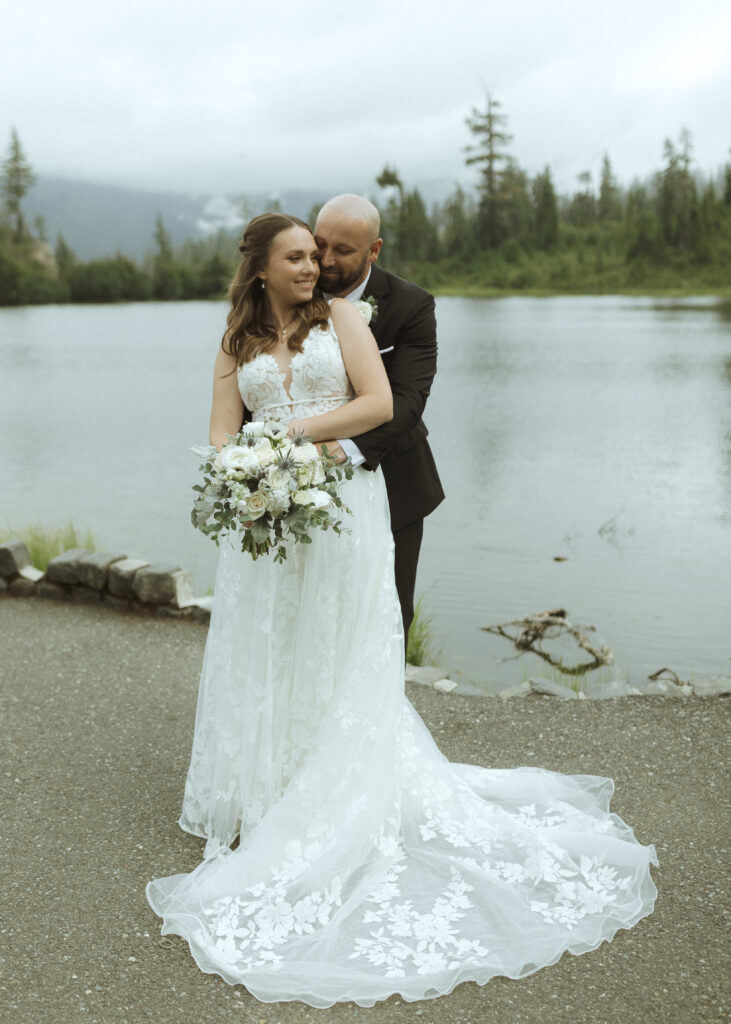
x,y
296,427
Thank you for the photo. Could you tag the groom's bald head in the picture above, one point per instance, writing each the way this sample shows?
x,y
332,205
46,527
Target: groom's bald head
x,y
353,208
347,239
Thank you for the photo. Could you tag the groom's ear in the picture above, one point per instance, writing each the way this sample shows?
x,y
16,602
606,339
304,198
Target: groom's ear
x,y
374,250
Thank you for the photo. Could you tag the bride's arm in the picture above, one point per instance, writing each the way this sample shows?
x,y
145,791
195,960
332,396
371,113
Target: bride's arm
x,y
373,402
227,409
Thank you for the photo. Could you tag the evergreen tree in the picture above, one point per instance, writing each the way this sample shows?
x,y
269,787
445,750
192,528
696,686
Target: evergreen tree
x,y
518,212
17,178
545,210
65,257
582,211
609,204
458,229
677,192
418,234
488,128
392,218
166,278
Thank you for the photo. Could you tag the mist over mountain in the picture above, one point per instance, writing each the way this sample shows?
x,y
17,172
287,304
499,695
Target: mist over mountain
x,y
100,220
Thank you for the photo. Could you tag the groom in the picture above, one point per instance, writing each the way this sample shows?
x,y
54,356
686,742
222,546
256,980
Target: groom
x,y
404,326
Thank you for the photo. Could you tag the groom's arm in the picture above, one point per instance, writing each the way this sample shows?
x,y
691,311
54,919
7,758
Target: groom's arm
x,y
411,372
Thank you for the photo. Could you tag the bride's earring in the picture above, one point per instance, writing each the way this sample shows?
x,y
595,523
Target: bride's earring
x,y
263,283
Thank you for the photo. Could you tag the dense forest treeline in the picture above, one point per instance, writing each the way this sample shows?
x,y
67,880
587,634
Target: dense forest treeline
x,y
512,234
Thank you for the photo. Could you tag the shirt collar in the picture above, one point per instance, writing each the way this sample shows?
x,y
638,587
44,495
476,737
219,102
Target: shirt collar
x,y
357,293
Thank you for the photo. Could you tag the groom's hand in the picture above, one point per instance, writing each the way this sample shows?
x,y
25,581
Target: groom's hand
x,y
334,448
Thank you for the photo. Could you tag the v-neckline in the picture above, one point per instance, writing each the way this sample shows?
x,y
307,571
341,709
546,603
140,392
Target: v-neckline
x,y
285,375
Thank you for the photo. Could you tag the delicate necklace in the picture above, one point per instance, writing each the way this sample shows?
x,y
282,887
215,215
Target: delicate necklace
x,y
284,328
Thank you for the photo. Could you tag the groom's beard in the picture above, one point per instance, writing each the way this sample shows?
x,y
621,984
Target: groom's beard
x,y
335,281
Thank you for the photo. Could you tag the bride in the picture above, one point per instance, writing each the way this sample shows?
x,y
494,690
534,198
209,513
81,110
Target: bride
x,y
367,864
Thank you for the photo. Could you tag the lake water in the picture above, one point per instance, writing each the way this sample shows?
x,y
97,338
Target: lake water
x,y
594,430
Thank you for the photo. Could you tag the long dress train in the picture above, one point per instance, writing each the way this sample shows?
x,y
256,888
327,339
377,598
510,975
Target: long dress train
x,y
368,864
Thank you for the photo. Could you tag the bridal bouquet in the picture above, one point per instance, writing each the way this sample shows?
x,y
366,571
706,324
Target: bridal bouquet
x,y
267,486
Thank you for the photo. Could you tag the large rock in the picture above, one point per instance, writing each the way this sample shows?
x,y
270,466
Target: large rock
x,y
84,595
426,675
550,688
521,689
29,572
711,686
13,557
598,690
66,567
21,587
94,569
122,574
164,584
51,591
202,609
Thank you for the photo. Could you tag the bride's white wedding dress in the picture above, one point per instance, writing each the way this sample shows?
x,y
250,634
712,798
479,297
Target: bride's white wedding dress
x,y
367,864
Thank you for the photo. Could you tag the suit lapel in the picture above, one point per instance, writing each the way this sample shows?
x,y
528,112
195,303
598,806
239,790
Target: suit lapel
x,y
379,288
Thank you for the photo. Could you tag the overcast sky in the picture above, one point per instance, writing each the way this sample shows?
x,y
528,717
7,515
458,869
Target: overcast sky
x,y
242,96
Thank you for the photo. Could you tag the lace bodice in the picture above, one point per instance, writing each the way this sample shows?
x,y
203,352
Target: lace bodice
x,y
319,382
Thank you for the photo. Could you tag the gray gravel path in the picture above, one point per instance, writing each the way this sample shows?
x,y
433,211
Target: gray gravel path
x,y
97,711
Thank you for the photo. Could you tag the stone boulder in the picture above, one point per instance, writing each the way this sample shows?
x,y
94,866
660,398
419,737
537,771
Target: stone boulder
x,y
13,557
164,584
93,570
521,689
122,574
51,591
66,567
550,688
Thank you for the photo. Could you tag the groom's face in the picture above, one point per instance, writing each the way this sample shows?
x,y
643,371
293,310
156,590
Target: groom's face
x,y
346,250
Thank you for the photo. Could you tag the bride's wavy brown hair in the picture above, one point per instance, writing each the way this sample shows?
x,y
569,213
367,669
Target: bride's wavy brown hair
x,y
248,330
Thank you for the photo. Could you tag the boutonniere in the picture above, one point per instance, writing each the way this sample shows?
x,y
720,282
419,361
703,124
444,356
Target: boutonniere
x,y
368,308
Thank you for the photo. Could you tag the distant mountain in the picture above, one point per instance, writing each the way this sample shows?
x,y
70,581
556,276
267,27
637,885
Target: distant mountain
x,y
101,220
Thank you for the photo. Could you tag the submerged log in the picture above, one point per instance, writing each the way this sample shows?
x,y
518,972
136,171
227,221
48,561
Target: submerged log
x,y
534,632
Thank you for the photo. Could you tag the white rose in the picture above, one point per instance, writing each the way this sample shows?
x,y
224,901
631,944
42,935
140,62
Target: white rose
x,y
256,505
365,309
264,456
311,496
235,459
318,473
302,454
253,429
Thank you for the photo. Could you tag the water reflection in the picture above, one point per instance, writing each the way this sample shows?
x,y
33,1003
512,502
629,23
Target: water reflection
x,y
593,430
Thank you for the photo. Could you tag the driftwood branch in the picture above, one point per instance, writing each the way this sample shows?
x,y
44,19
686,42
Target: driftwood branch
x,y
534,631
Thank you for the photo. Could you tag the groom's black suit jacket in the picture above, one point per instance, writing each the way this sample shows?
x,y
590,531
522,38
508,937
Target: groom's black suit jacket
x,y
406,331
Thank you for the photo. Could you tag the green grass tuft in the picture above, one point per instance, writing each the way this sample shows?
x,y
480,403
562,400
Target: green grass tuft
x,y
420,649
45,542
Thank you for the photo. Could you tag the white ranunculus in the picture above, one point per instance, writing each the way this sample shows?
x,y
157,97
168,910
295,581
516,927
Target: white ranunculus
x,y
253,429
311,496
236,459
365,309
